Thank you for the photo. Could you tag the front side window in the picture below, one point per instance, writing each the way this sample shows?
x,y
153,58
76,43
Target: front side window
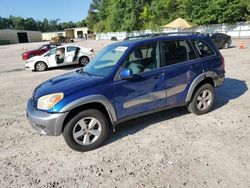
x,y
52,51
203,49
105,61
177,51
143,59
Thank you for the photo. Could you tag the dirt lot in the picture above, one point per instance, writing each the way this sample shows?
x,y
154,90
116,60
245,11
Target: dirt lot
x,y
168,149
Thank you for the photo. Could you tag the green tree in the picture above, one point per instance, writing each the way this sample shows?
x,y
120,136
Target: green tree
x,y
5,23
92,19
81,23
195,11
45,25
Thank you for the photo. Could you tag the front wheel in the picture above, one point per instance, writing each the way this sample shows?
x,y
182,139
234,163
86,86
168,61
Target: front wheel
x,y
86,130
203,100
83,61
40,66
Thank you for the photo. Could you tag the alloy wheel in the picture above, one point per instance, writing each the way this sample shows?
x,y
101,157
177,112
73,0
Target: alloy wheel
x,y
204,99
87,131
40,67
84,61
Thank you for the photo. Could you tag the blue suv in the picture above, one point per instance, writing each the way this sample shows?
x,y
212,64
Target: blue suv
x,y
126,80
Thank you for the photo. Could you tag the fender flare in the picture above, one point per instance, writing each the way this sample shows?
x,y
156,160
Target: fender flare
x,y
197,80
93,99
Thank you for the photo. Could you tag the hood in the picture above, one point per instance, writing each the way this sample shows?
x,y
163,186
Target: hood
x,y
31,51
67,83
34,59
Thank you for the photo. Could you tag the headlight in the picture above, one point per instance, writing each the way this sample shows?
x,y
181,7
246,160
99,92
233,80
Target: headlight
x,y
46,102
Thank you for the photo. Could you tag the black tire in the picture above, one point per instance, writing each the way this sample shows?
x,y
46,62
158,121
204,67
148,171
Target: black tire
x,y
74,124
226,45
40,66
196,105
83,61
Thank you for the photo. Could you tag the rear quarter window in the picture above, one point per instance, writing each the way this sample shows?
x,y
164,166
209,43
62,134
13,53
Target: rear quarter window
x,y
203,48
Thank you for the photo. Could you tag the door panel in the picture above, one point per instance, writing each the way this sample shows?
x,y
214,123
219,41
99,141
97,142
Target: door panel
x,y
140,94
71,55
52,60
146,90
178,79
181,67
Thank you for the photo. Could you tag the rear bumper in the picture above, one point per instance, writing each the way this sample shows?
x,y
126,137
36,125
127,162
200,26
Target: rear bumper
x,y
43,122
219,80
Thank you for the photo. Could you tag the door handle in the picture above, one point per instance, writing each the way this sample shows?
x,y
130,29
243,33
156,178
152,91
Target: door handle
x,y
158,76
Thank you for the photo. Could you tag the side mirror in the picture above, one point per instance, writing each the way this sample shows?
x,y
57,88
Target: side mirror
x,y
126,74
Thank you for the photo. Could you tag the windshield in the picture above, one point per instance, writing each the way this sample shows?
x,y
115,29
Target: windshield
x,y
104,62
44,47
52,52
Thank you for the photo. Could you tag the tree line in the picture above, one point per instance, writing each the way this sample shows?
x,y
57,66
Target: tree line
x,y
19,23
129,15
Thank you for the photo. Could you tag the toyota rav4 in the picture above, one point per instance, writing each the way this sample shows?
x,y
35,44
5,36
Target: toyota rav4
x,y
126,80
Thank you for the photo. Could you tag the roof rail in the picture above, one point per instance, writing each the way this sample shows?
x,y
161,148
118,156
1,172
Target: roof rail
x,y
176,33
152,35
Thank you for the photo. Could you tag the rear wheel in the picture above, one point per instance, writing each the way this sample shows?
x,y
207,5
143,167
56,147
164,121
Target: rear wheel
x,y
83,61
86,130
226,45
40,66
203,100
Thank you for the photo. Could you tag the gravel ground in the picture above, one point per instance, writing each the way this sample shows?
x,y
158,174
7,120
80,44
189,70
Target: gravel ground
x,y
168,149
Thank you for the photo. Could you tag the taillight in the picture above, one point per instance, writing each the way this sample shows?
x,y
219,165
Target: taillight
x,y
222,62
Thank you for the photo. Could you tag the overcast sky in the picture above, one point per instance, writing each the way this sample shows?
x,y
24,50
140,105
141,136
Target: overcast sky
x,y
65,10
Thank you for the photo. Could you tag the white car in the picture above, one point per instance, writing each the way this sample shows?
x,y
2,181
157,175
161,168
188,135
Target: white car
x,y
60,56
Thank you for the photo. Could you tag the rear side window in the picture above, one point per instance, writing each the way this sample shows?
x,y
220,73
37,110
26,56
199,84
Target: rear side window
x,y
203,49
71,48
177,51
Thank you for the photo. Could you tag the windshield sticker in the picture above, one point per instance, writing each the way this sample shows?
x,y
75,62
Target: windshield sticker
x,y
121,48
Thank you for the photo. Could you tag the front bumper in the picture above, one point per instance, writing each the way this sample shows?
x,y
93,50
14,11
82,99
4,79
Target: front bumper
x,y
43,122
29,66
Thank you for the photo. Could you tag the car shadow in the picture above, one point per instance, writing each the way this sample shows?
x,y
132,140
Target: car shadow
x,y
231,89
228,48
13,70
66,67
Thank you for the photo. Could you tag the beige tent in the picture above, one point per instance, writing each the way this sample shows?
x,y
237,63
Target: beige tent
x,y
178,23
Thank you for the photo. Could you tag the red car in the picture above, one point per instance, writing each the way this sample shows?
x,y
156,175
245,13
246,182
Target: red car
x,y
39,51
